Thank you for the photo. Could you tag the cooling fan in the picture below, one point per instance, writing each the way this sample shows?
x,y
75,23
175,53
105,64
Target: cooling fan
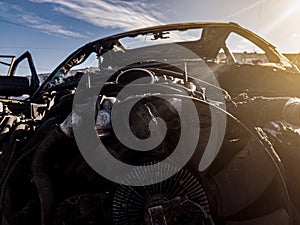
x,y
179,200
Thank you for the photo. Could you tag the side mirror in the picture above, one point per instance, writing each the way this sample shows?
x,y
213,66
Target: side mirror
x,y
14,86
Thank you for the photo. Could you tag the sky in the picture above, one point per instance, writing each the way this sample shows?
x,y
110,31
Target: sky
x,y
52,29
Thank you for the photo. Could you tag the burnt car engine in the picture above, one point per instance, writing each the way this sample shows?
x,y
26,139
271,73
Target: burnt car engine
x,y
59,186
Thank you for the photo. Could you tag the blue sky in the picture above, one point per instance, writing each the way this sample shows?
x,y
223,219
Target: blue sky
x,y
52,29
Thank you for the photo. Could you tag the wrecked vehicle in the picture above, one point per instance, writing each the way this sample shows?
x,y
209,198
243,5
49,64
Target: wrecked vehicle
x,y
135,129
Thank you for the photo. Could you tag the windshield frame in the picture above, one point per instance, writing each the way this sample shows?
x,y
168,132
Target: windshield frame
x,y
103,45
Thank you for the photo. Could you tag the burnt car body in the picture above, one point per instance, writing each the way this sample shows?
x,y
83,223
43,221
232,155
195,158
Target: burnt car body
x,y
46,178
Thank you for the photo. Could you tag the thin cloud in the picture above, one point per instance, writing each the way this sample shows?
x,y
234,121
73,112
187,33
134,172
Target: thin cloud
x,y
125,15
46,27
20,17
242,11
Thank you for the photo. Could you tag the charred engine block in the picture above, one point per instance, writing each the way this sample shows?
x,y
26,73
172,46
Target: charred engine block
x,y
47,180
